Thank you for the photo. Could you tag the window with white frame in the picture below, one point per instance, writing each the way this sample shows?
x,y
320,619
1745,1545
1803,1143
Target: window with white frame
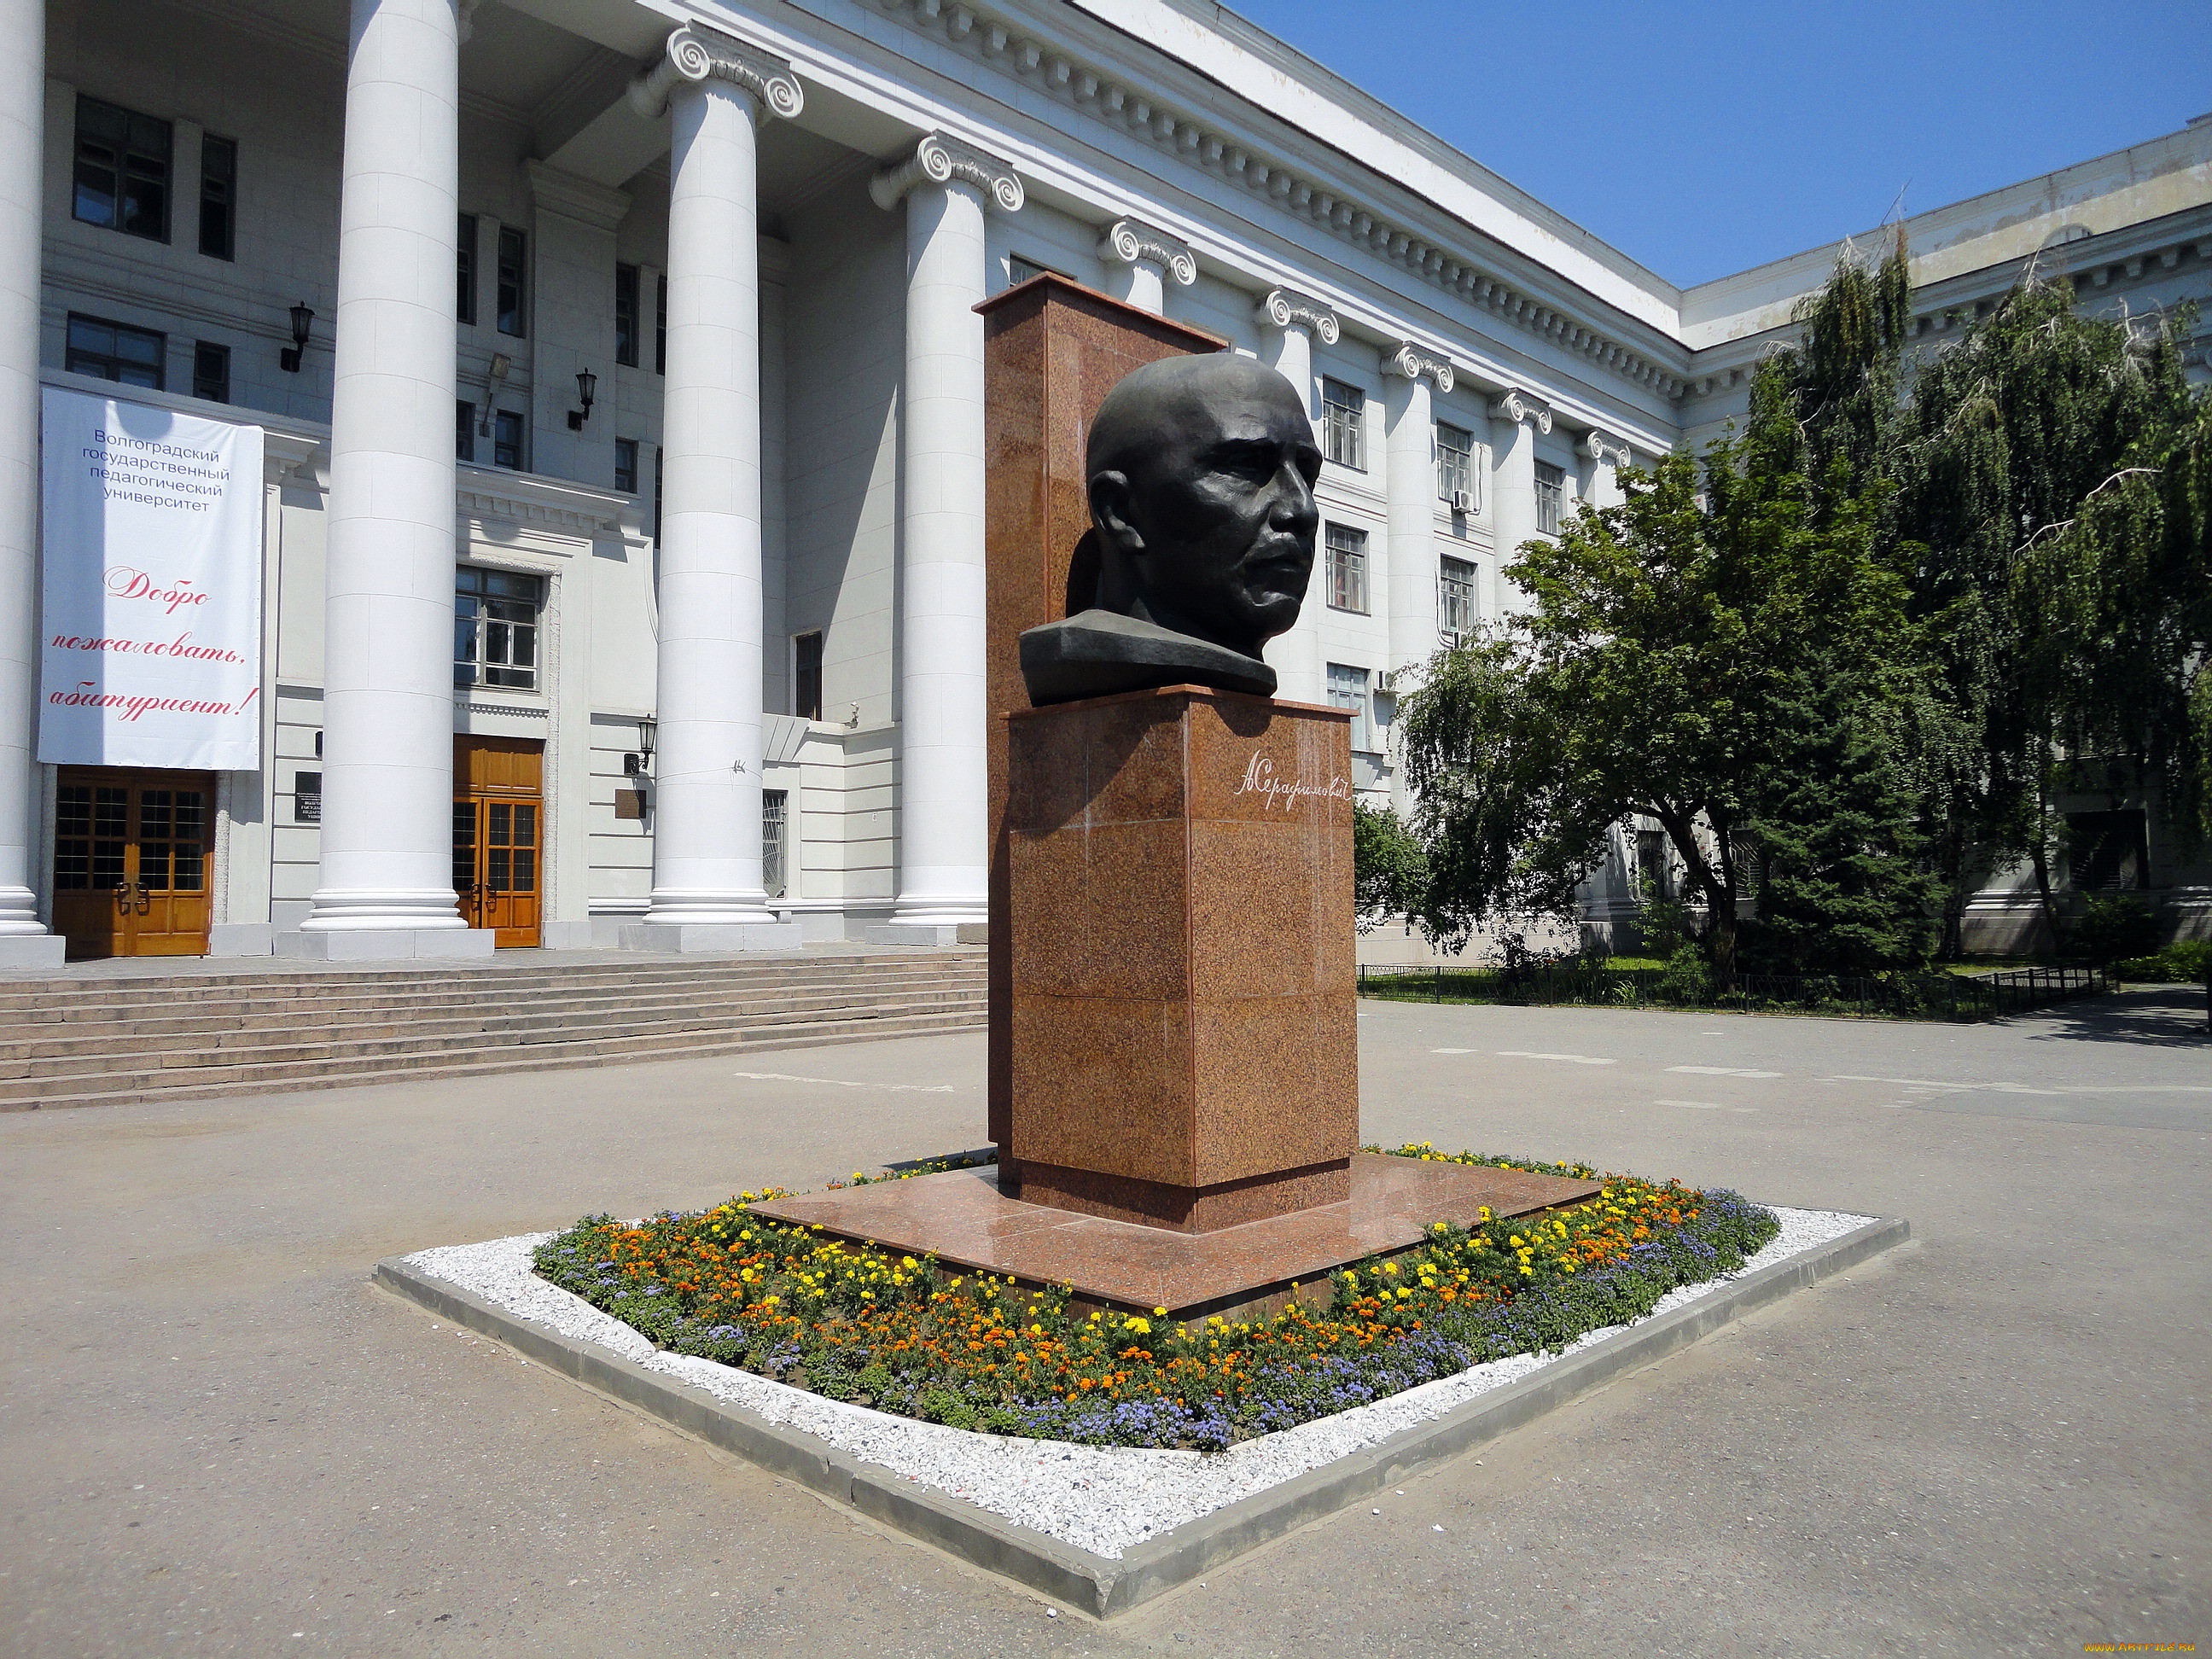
x,y
495,618
121,179
1347,568
1551,493
1455,597
775,851
1344,424
1456,467
1347,689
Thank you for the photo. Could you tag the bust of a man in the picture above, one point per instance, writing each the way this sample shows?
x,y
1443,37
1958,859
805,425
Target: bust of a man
x,y
1201,472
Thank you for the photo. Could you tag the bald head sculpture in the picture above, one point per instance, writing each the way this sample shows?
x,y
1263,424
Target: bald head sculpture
x,y
1200,473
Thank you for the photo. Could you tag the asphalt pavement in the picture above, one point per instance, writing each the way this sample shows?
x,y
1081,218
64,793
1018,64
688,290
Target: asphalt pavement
x,y
218,1438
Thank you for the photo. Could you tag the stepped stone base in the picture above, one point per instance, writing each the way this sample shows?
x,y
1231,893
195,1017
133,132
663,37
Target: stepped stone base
x,y
689,937
31,950
242,939
386,944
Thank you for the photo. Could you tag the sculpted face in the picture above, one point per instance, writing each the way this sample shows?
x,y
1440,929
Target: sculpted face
x,y
1201,473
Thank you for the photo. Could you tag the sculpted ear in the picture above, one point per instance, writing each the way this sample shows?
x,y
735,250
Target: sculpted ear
x,y
1110,500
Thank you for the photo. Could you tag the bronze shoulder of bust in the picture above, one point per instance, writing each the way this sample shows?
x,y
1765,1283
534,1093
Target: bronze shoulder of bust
x,y
1201,476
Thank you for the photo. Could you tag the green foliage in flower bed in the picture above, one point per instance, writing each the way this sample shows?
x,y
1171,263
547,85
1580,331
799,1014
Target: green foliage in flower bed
x,y
905,1335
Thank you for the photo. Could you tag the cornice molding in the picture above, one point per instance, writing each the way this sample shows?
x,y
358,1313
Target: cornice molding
x,y
938,160
696,54
1518,406
1283,307
1606,449
1410,361
1194,138
1127,240
576,197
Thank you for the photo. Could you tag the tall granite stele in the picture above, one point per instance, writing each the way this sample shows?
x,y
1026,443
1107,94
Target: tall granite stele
x,y
1174,1063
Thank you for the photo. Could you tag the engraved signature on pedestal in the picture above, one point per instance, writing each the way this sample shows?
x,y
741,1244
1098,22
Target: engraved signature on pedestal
x,y
1260,779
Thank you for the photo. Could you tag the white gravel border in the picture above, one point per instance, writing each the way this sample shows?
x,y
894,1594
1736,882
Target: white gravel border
x,y
1099,1498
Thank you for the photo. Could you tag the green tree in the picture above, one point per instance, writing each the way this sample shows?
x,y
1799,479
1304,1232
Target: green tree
x,y
1719,656
1389,867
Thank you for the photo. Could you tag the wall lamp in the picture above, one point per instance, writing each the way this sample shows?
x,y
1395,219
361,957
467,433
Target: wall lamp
x,y
495,377
640,764
588,388
303,321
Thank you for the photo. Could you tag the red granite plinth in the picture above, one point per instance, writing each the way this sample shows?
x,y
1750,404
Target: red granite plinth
x,y
964,1220
1184,1047
1052,350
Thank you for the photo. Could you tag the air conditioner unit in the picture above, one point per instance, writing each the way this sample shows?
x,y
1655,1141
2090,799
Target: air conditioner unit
x,y
1463,501
1387,681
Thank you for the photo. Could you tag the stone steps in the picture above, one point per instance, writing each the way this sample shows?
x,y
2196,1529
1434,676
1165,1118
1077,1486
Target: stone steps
x,y
76,1042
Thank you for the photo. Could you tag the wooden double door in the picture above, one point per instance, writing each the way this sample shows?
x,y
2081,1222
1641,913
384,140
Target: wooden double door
x,y
132,852
499,834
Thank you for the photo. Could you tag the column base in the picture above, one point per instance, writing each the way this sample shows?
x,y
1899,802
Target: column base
x,y
33,950
386,944
923,933
706,938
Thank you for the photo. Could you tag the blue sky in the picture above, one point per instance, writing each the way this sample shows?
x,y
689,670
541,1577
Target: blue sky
x,y
1703,138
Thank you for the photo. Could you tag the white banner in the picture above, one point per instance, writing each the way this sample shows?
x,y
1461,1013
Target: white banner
x,y
151,649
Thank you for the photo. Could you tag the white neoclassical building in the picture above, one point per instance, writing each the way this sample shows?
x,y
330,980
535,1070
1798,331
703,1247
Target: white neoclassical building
x,y
578,405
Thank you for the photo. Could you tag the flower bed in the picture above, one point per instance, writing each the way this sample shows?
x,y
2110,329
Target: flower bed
x,y
905,1336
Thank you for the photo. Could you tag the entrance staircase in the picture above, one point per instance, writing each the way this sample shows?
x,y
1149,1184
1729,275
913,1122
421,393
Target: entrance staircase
x,y
90,1041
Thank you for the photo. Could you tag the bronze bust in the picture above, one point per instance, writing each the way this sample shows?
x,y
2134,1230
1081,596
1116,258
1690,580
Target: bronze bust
x,y
1201,472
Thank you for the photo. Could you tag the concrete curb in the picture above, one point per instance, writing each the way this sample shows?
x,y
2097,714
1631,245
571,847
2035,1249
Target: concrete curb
x,y
1093,1583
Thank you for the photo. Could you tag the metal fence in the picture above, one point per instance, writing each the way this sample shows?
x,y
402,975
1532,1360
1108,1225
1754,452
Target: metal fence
x,y
1923,996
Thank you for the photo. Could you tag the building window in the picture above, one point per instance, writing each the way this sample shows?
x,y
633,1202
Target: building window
x,y
1347,568
2108,852
660,324
507,439
115,351
464,432
626,466
1344,424
1455,597
1551,492
776,821
495,628
660,480
807,675
218,196
1347,689
122,179
512,256
626,317
306,797
465,269
1456,467
211,372
1655,865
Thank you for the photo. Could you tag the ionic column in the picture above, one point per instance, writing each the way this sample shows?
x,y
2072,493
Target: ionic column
x,y
708,887
1515,419
24,941
1606,453
1289,324
1140,259
944,834
386,887
1410,426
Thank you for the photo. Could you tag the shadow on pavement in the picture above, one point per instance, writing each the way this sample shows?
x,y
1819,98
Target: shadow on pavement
x,y
2170,1015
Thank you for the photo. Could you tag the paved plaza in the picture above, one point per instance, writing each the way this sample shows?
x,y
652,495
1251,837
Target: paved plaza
x,y
218,1438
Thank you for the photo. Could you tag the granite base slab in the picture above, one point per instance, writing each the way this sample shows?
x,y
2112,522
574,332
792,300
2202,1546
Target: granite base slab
x,y
963,1219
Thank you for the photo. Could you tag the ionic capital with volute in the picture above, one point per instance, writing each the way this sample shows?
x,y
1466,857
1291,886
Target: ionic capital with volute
x,y
1128,241
1283,307
938,160
696,53
1409,360
1605,448
1518,406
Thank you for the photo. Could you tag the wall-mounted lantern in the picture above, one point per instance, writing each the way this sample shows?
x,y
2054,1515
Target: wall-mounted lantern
x,y
588,388
303,322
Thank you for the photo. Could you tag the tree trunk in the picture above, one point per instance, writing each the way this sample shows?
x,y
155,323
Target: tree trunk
x,y
2039,857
